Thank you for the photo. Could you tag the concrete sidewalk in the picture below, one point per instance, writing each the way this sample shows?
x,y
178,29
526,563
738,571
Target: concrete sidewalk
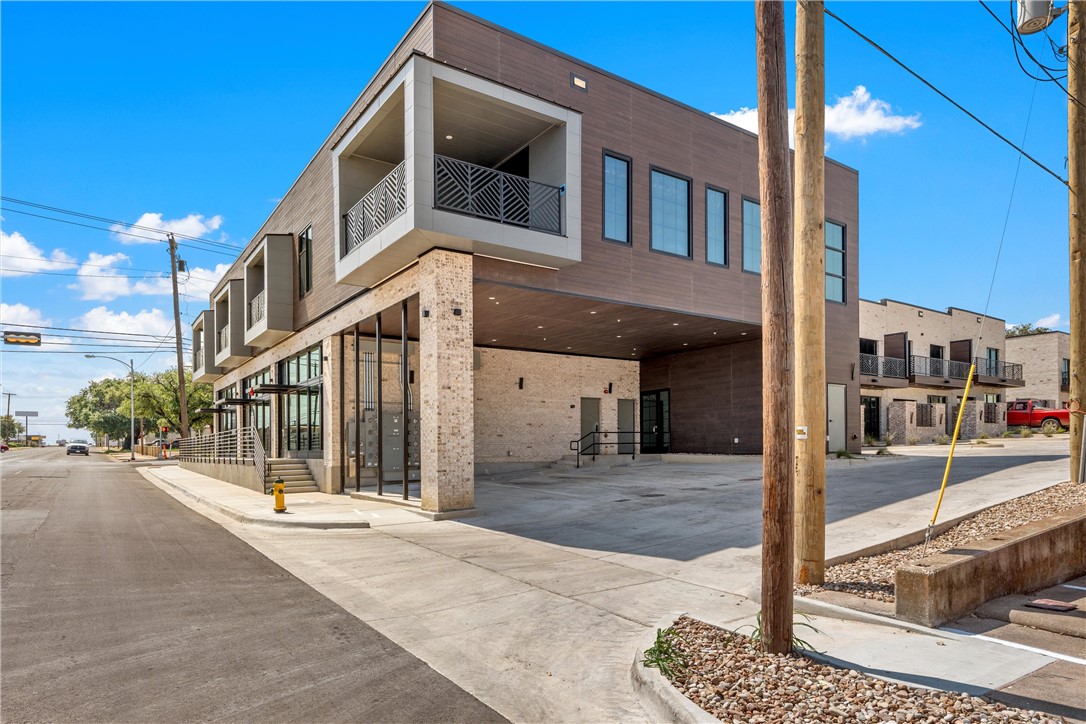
x,y
540,615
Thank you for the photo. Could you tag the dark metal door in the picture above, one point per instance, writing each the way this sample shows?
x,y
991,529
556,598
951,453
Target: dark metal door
x,y
655,421
872,421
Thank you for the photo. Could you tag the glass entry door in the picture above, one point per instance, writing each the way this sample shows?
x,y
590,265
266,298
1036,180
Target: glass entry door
x,y
656,421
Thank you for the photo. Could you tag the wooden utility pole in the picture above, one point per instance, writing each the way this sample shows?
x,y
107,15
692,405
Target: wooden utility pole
x,y
810,290
182,396
1076,203
774,183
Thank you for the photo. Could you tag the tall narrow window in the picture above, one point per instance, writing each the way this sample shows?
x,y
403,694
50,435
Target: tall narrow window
x,y
670,213
616,198
835,262
752,236
716,226
305,261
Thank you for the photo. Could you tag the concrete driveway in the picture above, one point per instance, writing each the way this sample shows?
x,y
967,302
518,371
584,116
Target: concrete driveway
x,y
537,605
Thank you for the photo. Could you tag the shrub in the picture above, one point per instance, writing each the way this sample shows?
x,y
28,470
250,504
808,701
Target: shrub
x,y
983,436
889,438
942,439
882,451
842,453
1008,433
913,440
1025,432
869,441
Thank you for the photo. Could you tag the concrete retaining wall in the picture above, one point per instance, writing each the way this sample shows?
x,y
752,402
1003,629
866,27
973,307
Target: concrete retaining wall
x,y
949,585
237,474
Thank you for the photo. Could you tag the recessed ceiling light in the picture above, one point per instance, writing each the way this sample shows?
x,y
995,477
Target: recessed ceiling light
x,y
674,324
544,339
618,320
618,336
491,298
744,334
540,327
493,340
569,348
714,332
591,312
684,344
448,137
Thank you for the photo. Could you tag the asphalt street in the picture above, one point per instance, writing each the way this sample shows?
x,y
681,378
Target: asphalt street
x,y
120,604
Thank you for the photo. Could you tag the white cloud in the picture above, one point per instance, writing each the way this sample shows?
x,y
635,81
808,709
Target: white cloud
x,y
191,225
199,282
20,314
1052,320
145,321
20,257
98,280
856,115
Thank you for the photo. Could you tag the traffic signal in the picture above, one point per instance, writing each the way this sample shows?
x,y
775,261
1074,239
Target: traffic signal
x,y
30,339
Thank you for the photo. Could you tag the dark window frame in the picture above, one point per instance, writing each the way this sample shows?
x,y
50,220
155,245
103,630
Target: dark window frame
x,y
843,276
689,213
305,261
742,228
629,196
727,212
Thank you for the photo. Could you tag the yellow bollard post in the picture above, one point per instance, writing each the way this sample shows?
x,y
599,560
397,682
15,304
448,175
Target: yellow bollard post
x,y
279,489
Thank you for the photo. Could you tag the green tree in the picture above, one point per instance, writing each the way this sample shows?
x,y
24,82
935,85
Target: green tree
x,y
1019,330
10,427
157,399
103,408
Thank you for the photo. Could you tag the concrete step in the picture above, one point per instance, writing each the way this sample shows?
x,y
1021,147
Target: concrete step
x,y
292,478
601,461
284,466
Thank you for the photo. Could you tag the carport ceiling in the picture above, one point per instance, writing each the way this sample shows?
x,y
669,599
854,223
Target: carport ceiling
x,y
530,319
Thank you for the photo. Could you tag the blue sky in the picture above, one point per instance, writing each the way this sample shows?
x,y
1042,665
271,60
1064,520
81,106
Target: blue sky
x,y
198,116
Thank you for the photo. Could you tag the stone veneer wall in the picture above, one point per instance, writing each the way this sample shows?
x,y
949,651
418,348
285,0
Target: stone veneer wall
x,y
973,421
901,423
536,424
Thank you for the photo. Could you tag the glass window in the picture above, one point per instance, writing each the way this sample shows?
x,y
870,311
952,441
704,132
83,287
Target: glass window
x,y
752,236
835,262
670,214
616,198
716,226
305,261
301,423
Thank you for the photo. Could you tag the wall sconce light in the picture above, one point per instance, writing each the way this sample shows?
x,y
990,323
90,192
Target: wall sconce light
x,y
920,312
610,387
426,312
520,383
457,311
852,371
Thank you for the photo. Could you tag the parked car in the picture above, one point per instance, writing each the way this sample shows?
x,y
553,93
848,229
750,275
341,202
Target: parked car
x,y
78,447
3,447
1030,413
62,443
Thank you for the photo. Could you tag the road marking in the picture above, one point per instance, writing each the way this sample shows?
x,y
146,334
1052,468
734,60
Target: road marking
x,y
1077,588
1013,645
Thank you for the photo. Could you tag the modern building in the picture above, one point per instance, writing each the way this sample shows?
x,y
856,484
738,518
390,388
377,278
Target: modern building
x,y
500,254
1046,366
922,356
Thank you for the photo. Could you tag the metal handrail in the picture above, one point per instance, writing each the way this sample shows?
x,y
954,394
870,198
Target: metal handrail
x,y
490,194
871,364
580,448
224,338
240,446
996,368
260,458
257,307
381,204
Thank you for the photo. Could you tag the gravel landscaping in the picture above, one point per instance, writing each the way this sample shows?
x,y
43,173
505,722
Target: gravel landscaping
x,y
728,676
873,576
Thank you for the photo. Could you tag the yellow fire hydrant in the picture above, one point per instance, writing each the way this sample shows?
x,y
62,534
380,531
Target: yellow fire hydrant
x,y
279,489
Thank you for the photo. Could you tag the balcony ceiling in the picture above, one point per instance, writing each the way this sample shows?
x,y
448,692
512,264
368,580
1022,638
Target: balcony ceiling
x,y
383,139
484,131
540,321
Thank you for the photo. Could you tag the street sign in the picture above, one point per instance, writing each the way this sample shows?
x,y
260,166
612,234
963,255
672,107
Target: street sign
x,y
26,413
26,339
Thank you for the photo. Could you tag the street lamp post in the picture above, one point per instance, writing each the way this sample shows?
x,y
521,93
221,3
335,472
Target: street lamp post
x,y
132,401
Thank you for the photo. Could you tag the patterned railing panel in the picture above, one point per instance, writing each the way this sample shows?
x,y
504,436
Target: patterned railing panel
x,y
877,366
489,194
995,368
224,338
383,203
933,367
198,359
257,307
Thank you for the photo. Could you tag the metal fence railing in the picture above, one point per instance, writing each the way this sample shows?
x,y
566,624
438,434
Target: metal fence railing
x,y
935,367
383,203
223,338
490,194
996,368
877,366
240,446
198,358
257,307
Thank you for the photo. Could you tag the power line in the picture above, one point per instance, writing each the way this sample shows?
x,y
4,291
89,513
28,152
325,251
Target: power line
x,y
88,264
103,219
947,98
98,228
155,337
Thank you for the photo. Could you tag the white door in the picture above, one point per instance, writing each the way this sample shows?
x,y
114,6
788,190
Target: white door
x,y
835,417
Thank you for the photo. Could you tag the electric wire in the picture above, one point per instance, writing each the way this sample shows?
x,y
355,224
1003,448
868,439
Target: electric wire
x,y
154,337
945,97
81,264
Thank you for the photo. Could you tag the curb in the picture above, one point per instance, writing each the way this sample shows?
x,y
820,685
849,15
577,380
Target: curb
x,y
658,697
248,519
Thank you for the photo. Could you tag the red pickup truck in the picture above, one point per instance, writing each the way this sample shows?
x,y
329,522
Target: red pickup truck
x,y
1029,413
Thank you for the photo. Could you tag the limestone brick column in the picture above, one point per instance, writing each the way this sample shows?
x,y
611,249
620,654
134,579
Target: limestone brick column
x,y
447,391
332,423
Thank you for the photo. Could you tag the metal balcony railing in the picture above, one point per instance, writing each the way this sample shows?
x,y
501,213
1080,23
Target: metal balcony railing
x,y
198,359
479,191
934,367
224,339
876,366
1065,381
995,368
257,307
226,446
383,203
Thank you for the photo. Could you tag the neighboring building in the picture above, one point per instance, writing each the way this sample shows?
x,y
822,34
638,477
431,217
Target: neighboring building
x,y
504,249
922,356
1046,366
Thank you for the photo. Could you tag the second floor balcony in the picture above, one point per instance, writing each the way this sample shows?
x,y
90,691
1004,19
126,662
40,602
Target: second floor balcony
x,y
878,371
230,315
203,339
269,291
997,372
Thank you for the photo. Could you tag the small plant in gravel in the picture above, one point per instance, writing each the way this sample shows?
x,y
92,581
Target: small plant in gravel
x,y
983,436
882,451
889,438
942,439
756,636
1025,432
912,440
843,453
1008,433
869,441
665,654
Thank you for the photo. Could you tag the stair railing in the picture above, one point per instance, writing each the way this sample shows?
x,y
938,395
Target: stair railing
x,y
592,446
